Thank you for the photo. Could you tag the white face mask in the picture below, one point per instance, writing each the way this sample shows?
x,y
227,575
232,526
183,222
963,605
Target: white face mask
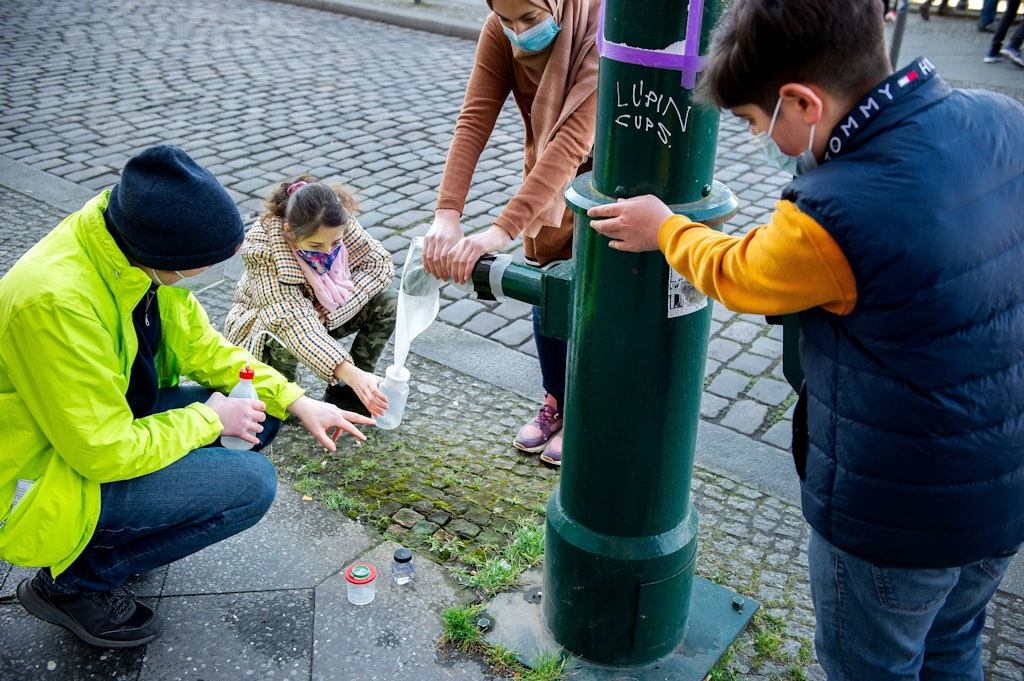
x,y
794,165
197,283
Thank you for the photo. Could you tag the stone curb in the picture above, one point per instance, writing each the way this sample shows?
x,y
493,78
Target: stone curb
x,y
414,18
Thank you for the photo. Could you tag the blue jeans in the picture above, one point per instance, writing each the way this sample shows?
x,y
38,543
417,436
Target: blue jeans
x,y
551,353
895,624
208,495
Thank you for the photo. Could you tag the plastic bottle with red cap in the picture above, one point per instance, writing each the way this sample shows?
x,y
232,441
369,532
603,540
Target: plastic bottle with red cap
x,y
245,390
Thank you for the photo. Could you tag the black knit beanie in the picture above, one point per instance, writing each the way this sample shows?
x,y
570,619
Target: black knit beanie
x,y
169,213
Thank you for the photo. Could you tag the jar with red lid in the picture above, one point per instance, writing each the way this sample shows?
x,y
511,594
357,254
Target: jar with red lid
x,y
362,586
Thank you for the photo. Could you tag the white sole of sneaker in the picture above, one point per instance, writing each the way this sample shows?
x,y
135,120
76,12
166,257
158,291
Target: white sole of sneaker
x,y
530,450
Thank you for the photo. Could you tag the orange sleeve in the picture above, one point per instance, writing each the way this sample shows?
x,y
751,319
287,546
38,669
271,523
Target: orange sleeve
x,y
787,265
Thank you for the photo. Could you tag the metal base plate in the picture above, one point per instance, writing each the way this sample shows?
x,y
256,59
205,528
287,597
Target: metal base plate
x,y
517,623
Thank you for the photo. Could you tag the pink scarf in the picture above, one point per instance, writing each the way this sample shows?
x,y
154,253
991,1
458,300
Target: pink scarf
x,y
333,288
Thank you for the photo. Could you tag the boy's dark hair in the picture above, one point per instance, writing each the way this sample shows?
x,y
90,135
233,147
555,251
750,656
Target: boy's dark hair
x,y
310,205
760,45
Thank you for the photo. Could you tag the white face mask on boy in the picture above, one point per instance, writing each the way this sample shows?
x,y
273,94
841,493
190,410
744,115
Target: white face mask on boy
x,y
769,148
197,283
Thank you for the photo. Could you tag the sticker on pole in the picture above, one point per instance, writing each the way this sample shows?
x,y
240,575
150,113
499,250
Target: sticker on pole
x,y
683,297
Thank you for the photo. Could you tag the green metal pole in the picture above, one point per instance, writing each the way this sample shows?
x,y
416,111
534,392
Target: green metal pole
x,y
621,535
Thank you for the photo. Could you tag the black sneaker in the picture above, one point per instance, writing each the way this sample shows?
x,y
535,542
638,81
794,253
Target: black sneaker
x,y
344,397
106,619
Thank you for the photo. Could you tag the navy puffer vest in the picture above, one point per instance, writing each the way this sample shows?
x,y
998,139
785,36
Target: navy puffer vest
x,y
915,401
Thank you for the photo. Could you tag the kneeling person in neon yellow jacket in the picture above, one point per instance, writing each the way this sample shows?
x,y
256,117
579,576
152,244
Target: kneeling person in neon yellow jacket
x,y
110,467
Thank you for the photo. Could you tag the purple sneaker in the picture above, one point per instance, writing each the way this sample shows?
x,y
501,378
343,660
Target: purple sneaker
x,y
553,452
535,435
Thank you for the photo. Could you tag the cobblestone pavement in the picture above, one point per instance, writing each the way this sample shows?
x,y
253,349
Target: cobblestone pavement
x,y
362,102
258,91
356,105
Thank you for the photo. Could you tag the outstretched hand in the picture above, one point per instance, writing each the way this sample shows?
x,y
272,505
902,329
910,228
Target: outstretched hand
x,y
326,422
632,224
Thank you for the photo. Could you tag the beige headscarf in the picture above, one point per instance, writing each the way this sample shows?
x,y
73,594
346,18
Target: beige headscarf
x,y
567,80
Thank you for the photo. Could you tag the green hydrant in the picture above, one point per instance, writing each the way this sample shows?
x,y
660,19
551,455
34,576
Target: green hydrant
x,y
621,537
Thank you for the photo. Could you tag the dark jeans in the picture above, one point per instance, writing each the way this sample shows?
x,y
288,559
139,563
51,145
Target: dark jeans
x,y
551,352
1004,27
208,495
988,12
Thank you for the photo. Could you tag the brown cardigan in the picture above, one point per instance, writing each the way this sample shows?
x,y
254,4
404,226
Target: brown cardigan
x,y
495,74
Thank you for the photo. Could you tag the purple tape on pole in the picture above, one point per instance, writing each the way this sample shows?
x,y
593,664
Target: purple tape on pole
x,y
689,62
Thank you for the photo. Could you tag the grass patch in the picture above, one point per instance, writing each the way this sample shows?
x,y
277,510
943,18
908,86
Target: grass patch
x,y
722,671
548,665
501,566
462,632
767,634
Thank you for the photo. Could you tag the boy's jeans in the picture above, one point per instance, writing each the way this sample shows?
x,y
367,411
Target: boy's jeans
x,y
891,624
208,495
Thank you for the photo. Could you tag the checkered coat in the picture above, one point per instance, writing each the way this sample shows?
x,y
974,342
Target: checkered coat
x,y
273,297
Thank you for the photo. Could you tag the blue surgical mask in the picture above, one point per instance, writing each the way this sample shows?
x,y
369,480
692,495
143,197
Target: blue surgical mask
x,y
318,260
197,283
535,38
794,165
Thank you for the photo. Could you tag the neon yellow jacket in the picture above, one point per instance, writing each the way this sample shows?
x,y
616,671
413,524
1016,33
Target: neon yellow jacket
x,y
67,344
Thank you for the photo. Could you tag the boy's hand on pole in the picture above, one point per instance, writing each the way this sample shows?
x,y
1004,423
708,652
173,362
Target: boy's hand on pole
x,y
632,224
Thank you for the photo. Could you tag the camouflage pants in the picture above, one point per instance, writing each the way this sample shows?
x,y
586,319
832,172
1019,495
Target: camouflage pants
x,y
372,325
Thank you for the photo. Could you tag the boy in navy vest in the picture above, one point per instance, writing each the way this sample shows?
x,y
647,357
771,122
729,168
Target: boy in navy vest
x,y
900,243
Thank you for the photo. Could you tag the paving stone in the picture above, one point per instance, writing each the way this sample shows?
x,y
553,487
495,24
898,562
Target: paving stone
x,y
750,364
424,528
439,517
728,384
770,391
746,416
515,333
742,332
723,349
485,323
712,406
460,310
407,517
767,347
779,435
463,528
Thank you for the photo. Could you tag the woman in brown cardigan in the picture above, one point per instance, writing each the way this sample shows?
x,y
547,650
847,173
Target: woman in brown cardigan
x,y
543,52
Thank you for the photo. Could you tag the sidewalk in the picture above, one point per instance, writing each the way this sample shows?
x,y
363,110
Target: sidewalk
x,y
271,602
